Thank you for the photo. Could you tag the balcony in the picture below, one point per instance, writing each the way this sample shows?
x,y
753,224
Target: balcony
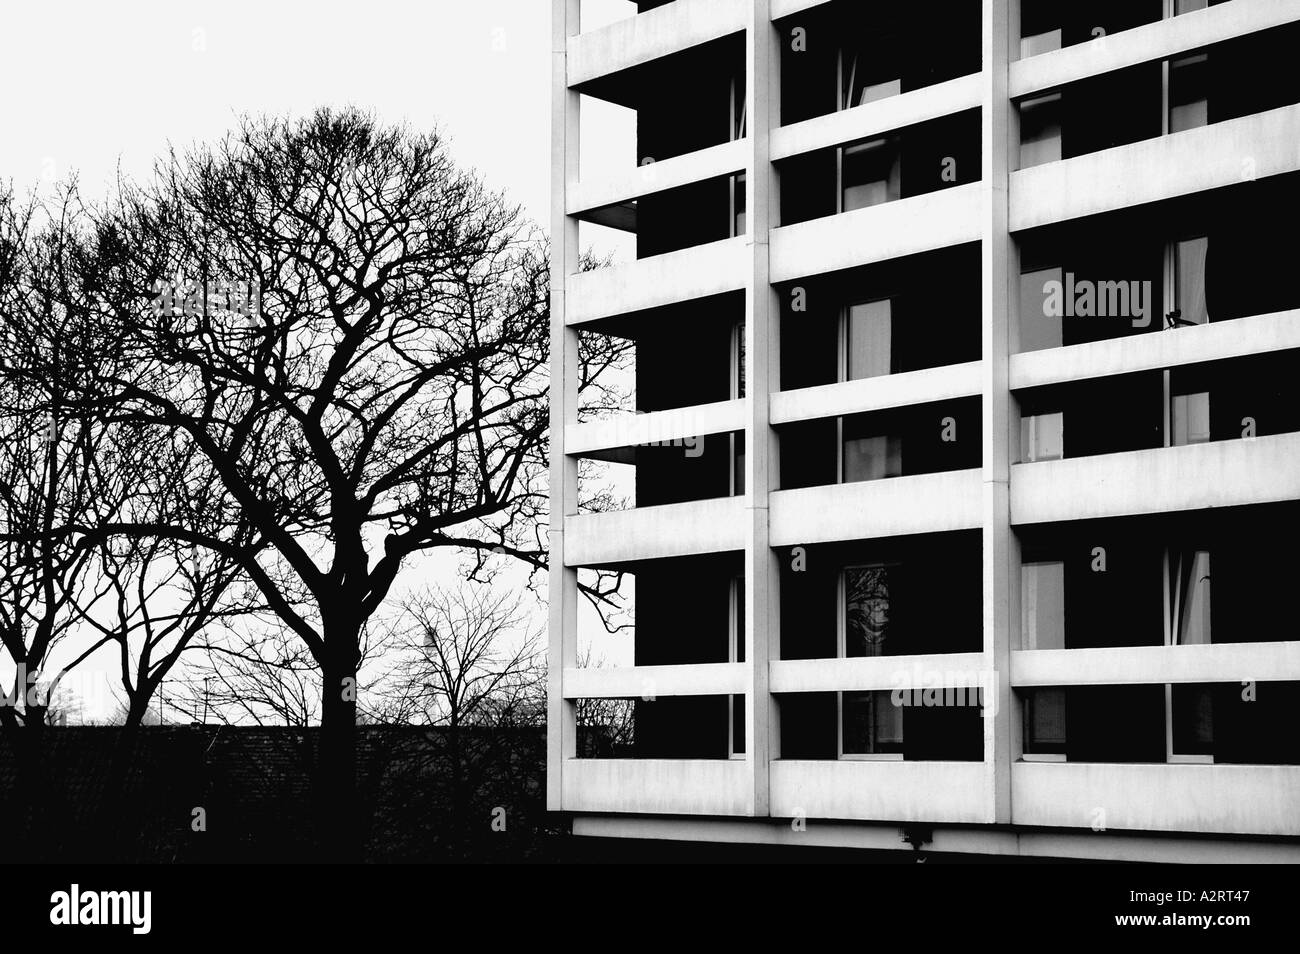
x,y
1134,665
651,35
646,533
1218,799
657,786
944,792
1195,160
924,503
1161,480
892,230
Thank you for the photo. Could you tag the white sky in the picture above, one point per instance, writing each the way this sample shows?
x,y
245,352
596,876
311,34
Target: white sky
x,y
91,85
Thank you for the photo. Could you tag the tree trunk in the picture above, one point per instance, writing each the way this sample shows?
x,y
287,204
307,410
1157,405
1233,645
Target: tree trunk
x,y
338,825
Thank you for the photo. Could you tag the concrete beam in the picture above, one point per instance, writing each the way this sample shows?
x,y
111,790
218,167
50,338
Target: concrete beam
x,y
1147,665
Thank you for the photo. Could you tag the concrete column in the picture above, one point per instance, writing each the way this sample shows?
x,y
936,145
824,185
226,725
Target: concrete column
x,y
561,727
1000,560
762,589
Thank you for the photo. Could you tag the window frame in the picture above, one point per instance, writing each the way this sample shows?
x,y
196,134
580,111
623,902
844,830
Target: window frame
x,y
841,642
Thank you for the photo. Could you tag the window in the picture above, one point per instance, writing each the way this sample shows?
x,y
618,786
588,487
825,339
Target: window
x,y
868,77
1042,605
866,604
1042,437
737,204
1040,43
1189,280
1187,6
1040,130
872,458
1188,92
736,654
1038,328
1190,594
868,333
871,726
1191,737
1189,418
869,174
737,438
1045,725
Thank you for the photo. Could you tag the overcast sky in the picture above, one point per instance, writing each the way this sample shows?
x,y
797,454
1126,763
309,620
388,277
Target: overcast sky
x,y
91,85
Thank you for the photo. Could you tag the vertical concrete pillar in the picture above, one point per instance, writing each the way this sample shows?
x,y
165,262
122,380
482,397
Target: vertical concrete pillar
x,y
1000,561
561,727
762,590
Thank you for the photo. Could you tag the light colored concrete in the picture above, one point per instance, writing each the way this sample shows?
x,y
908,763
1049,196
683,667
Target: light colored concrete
x,y
641,682
1153,41
638,181
875,394
696,272
892,230
631,430
648,36
1137,665
882,791
1161,480
1151,352
653,533
1195,160
1063,843
927,503
954,670
1223,799
871,119
653,786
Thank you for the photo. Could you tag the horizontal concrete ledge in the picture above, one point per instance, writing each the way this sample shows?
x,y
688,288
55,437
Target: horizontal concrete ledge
x,y
784,8
891,230
873,394
649,682
1136,665
650,533
860,122
697,272
957,792
1152,41
1214,799
926,503
1084,843
1194,477
632,430
1195,160
720,160
1156,350
951,670
648,36
656,786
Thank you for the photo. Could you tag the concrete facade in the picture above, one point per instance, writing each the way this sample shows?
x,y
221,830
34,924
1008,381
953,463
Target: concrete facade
x,y
1131,494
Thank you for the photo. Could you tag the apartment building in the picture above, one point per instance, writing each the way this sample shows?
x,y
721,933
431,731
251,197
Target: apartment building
x,y
967,431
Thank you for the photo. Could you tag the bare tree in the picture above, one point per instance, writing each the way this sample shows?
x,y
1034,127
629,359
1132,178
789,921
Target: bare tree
x,y
375,386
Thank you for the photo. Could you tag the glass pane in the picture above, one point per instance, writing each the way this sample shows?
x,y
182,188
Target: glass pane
x,y
738,360
1193,719
1191,418
1192,598
872,724
1040,130
1188,93
872,458
870,333
1189,268
870,174
1040,43
1045,721
1040,327
739,653
1187,6
738,725
738,464
738,205
866,610
1042,606
1042,436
